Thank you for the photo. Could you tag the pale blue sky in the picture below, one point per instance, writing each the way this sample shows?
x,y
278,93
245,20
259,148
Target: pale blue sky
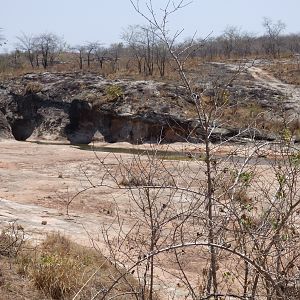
x,y
78,21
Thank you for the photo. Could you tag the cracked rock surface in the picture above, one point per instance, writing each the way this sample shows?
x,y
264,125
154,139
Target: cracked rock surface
x,y
87,107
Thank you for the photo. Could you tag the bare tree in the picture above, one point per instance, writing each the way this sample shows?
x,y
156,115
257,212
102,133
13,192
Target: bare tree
x,y
292,42
273,31
27,44
236,213
115,52
90,50
230,40
81,52
146,48
101,55
132,37
161,57
217,210
48,45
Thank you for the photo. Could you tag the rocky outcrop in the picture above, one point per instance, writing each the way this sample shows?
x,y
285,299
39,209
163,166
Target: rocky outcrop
x,y
5,130
85,107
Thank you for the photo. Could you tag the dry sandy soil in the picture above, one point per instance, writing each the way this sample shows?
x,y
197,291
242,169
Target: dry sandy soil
x,y
38,179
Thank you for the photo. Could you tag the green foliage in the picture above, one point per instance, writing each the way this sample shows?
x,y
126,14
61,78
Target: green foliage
x,y
280,194
274,223
246,177
226,274
295,159
248,207
247,221
224,96
114,92
286,135
281,179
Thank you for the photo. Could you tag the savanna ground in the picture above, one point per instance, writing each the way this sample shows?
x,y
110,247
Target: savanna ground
x,y
85,195
39,181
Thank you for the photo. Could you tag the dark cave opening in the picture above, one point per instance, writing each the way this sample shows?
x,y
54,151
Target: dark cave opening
x,y
22,129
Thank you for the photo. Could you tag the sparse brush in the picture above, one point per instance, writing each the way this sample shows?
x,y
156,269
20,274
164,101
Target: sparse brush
x,y
139,173
53,268
114,92
11,240
60,268
33,88
56,275
134,181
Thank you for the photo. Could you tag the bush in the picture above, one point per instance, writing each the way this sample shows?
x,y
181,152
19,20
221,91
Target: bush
x,y
60,268
114,92
11,240
33,88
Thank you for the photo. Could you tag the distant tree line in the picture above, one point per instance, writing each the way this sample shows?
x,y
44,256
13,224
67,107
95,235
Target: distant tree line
x,y
234,43
41,49
143,52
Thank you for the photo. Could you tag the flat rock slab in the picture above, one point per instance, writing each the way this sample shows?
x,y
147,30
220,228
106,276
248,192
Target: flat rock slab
x,y
37,221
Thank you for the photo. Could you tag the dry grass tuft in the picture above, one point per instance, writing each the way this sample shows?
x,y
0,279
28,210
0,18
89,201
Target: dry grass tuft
x,y
33,88
60,268
53,269
57,269
11,240
139,173
288,72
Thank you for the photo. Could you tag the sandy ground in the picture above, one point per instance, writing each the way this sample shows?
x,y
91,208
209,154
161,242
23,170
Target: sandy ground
x,y
43,177
38,180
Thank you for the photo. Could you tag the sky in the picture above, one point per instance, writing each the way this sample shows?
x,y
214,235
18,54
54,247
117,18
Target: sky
x,y
81,21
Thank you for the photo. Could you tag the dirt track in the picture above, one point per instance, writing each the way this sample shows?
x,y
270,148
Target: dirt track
x,y
292,92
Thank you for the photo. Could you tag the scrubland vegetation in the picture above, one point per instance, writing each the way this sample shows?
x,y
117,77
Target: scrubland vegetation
x,y
56,269
223,224
143,54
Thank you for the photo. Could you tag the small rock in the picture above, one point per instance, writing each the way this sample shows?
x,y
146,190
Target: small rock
x,y
44,222
20,227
